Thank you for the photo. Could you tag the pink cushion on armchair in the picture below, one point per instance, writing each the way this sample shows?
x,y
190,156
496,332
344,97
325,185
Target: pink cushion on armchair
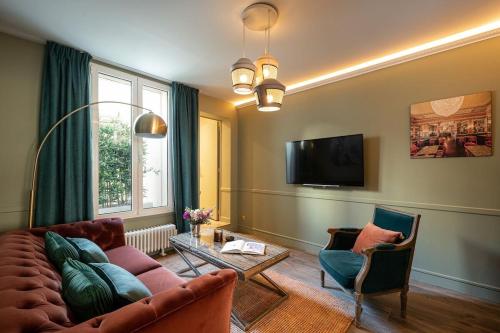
x,y
372,235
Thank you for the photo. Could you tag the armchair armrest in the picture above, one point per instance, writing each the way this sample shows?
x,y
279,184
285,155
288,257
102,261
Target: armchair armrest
x,y
107,233
386,267
200,305
342,238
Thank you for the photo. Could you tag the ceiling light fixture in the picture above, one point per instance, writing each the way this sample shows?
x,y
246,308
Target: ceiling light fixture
x,y
489,30
268,91
243,72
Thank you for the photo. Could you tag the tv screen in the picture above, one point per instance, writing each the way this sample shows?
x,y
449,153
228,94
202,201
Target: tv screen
x,y
336,161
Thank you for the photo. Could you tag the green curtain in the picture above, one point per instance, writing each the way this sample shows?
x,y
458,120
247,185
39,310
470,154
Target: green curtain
x,y
183,131
65,168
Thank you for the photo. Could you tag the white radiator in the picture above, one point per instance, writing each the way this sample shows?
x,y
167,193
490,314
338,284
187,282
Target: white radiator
x,y
151,240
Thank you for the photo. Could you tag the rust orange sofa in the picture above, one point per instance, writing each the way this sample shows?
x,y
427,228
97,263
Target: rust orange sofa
x,y
30,288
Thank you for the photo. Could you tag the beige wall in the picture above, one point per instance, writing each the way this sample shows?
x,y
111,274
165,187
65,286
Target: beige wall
x,y
459,198
21,64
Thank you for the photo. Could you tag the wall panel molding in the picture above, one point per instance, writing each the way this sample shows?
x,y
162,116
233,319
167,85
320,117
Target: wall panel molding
x,y
393,203
486,287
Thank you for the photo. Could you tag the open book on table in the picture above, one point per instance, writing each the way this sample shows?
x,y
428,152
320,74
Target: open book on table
x,y
242,247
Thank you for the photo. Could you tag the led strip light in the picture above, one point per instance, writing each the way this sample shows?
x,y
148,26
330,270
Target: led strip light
x,y
482,32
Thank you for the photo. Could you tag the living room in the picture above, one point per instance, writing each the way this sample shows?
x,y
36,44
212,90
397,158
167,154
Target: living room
x,y
346,167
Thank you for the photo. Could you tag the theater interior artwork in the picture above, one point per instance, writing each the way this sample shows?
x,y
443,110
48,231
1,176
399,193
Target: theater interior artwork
x,y
452,127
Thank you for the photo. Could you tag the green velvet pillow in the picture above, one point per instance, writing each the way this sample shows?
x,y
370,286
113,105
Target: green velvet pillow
x,y
88,250
85,292
126,287
58,249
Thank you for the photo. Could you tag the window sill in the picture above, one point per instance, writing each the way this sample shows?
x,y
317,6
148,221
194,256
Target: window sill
x,y
130,215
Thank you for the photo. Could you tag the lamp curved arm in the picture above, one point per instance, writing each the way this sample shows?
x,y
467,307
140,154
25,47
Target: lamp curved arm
x,y
42,143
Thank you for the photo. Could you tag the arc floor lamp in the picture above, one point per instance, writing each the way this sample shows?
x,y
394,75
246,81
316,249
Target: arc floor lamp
x,y
147,125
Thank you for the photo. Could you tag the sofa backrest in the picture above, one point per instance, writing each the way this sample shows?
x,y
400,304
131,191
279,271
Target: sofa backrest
x,y
107,233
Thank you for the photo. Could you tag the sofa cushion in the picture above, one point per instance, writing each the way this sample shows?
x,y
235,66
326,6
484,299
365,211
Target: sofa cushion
x,y
87,294
58,249
342,265
160,279
88,250
131,259
126,288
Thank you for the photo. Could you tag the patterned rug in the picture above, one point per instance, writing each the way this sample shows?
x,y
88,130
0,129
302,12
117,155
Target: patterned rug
x,y
307,310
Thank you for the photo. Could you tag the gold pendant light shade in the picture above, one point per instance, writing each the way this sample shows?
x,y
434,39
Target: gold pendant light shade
x,y
269,95
267,68
243,74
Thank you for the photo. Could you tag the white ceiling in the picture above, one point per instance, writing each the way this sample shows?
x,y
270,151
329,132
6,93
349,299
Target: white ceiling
x,y
195,42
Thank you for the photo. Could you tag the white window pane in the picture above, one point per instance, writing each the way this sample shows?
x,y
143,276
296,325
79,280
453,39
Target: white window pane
x,y
155,153
115,145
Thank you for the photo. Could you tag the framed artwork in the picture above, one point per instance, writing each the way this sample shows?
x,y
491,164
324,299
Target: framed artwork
x,y
452,127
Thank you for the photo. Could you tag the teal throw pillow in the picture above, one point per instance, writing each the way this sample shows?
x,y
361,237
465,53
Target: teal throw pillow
x,y
126,287
58,249
85,292
88,250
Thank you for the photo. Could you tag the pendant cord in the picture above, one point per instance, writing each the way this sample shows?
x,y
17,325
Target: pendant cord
x,y
268,30
244,41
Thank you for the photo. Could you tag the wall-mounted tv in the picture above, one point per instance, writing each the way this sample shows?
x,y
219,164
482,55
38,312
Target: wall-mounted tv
x,y
336,161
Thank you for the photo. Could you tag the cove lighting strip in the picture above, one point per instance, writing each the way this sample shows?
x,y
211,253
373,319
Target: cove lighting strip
x,y
477,34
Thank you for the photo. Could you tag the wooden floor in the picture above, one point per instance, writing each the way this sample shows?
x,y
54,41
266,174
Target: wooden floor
x,y
430,309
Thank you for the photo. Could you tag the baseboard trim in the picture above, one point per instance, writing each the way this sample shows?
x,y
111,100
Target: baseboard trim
x,y
456,279
392,203
487,289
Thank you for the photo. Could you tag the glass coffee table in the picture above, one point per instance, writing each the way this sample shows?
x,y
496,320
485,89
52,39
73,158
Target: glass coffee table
x,y
250,268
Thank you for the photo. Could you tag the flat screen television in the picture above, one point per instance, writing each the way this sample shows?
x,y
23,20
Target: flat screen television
x,y
336,161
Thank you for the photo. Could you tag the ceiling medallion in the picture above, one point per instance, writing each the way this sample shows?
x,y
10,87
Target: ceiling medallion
x,y
259,77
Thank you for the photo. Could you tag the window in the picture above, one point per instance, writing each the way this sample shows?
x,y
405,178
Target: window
x,y
131,174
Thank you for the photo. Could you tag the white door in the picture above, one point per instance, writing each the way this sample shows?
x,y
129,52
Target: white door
x,y
209,165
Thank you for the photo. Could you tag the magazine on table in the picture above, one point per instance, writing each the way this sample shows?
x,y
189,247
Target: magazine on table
x,y
242,247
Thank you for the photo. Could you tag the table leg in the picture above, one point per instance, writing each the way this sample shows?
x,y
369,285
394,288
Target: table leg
x,y
276,289
192,267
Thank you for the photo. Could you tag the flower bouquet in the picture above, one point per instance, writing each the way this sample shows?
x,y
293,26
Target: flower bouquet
x,y
197,217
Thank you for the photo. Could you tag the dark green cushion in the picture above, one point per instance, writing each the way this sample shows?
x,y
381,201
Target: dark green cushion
x,y
85,292
58,249
88,250
126,288
342,265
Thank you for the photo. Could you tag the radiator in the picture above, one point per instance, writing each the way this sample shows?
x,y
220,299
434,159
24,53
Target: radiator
x,y
151,240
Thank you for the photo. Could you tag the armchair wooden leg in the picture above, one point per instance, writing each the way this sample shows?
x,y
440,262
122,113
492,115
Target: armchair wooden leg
x,y
404,299
358,298
322,278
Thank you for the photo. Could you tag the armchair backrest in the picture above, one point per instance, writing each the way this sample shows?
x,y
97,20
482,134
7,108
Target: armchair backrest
x,y
394,220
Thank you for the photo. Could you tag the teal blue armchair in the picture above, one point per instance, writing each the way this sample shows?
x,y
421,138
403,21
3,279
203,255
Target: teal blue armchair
x,y
382,269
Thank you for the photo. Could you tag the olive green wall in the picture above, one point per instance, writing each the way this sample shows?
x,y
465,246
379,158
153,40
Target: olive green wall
x,y
20,82
459,198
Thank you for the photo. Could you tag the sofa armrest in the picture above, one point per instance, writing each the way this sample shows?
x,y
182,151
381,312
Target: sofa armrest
x,y
107,233
342,238
200,305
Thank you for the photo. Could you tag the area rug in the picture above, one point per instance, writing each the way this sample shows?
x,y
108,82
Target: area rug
x,y
307,310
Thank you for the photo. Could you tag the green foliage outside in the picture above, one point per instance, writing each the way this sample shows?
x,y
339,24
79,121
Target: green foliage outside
x,y
115,164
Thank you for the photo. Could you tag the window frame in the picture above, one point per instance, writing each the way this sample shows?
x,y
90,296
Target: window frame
x,y
137,84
